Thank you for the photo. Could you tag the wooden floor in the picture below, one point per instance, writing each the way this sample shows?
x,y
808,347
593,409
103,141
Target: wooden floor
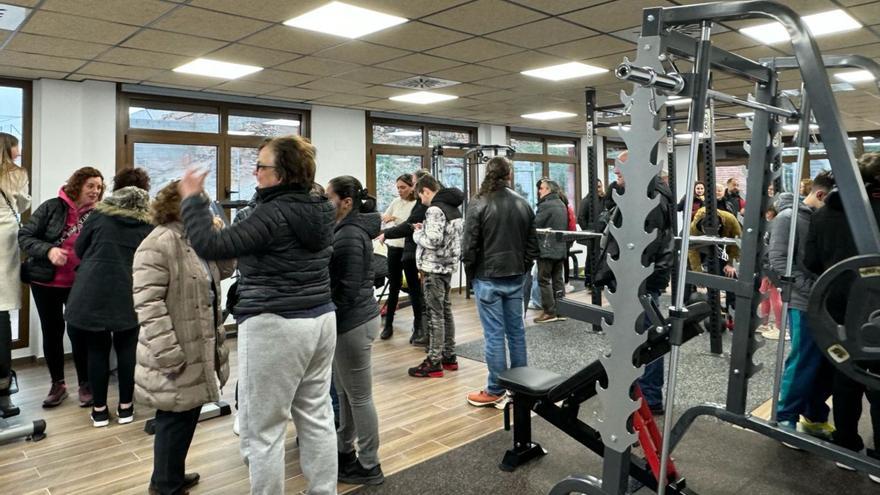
x,y
419,419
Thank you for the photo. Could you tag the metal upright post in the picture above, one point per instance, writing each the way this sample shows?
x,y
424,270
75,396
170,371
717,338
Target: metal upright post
x,y
670,169
712,226
803,139
595,206
695,127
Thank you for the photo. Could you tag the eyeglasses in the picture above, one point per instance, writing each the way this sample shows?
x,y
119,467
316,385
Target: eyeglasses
x,y
259,166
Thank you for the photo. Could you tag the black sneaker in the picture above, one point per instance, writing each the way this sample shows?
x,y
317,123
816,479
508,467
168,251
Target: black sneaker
x,y
100,418
356,474
427,370
387,332
449,363
125,416
346,461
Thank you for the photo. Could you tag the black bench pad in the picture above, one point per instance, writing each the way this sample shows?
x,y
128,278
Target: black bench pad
x,y
529,381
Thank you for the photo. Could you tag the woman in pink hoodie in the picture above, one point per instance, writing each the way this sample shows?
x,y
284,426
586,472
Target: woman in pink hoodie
x,y
48,238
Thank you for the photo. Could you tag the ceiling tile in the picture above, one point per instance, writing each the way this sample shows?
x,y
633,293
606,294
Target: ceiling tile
x,y
181,44
467,73
4,34
252,55
474,50
39,62
45,45
469,90
298,94
318,66
380,91
524,61
23,3
506,82
137,12
613,16
359,52
844,41
241,86
495,95
200,22
374,75
597,46
143,58
15,71
411,9
419,64
184,80
344,99
293,40
334,85
868,14
732,40
557,6
269,10
281,77
484,16
77,28
88,77
116,70
542,33
416,36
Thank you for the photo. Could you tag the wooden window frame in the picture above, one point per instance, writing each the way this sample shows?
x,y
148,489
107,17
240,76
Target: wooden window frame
x,y
546,158
126,137
26,145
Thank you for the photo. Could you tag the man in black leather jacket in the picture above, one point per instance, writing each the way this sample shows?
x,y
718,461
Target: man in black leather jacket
x,y
498,248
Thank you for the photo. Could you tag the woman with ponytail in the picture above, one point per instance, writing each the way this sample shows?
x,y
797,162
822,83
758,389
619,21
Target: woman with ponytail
x,y
357,325
396,214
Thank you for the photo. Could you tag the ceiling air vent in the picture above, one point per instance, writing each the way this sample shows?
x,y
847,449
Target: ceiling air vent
x,y
11,16
422,82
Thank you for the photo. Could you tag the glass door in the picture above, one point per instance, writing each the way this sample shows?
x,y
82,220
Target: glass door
x,y
388,168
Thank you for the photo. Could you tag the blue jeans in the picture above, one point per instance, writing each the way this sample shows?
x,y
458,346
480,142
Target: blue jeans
x,y
651,381
808,377
500,305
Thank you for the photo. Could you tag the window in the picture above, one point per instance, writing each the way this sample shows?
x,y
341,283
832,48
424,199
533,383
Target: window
x,y
15,119
545,156
166,136
395,148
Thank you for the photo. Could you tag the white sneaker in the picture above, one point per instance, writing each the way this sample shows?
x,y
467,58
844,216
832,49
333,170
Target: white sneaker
x,y
844,466
569,288
235,425
875,479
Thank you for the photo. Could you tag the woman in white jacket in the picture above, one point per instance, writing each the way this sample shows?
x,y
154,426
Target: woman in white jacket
x,y
397,213
14,199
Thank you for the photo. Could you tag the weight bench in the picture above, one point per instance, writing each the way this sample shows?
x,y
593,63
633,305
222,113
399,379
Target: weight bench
x,y
538,390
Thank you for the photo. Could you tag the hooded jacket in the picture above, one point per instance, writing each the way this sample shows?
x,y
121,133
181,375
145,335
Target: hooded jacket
x,y
439,241
351,270
283,249
101,299
777,252
660,251
552,214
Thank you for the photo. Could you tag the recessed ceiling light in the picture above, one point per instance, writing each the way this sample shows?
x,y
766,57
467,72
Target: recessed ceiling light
x,y
832,21
240,133
855,76
283,122
11,16
548,115
677,100
564,71
216,68
342,19
423,97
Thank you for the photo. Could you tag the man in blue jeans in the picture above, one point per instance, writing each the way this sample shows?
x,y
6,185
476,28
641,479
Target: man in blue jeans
x,y
498,248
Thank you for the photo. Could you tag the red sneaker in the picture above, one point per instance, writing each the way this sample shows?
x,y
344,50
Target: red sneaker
x,y
57,394
427,370
450,363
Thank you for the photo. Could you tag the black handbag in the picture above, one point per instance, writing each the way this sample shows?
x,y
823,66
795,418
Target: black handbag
x,y
31,269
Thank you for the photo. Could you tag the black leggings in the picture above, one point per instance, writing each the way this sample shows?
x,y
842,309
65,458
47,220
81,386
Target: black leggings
x,y
5,351
397,266
50,302
99,343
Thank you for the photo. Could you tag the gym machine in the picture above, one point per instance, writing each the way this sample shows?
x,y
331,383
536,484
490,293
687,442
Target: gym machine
x,y
14,426
849,345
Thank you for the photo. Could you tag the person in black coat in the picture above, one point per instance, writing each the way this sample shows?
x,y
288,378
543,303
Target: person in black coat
x,y
414,286
830,241
100,305
357,326
552,214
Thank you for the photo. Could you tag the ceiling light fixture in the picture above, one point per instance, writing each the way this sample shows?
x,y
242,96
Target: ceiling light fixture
x,y
423,97
832,21
855,76
282,122
342,19
564,71
553,114
11,16
216,68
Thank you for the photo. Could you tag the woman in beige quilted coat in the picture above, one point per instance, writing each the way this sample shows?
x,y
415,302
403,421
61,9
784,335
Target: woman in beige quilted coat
x,y
180,352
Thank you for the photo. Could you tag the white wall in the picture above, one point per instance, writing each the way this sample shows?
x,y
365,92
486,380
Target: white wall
x,y
340,136
74,126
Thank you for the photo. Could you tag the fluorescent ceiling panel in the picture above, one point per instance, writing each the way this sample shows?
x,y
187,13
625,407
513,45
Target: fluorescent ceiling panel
x,y
564,71
548,115
342,19
11,16
855,76
216,68
823,23
423,97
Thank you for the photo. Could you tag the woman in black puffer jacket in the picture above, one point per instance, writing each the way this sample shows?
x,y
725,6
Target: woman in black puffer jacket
x,y
100,305
357,325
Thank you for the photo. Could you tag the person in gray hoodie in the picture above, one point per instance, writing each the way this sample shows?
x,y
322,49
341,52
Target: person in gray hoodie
x,y
807,378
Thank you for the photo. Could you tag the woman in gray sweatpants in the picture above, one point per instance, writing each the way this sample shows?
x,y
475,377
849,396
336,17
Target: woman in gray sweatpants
x,y
357,325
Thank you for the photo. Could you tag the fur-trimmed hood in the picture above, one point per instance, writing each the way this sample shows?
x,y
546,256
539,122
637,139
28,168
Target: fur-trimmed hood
x,y
129,202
